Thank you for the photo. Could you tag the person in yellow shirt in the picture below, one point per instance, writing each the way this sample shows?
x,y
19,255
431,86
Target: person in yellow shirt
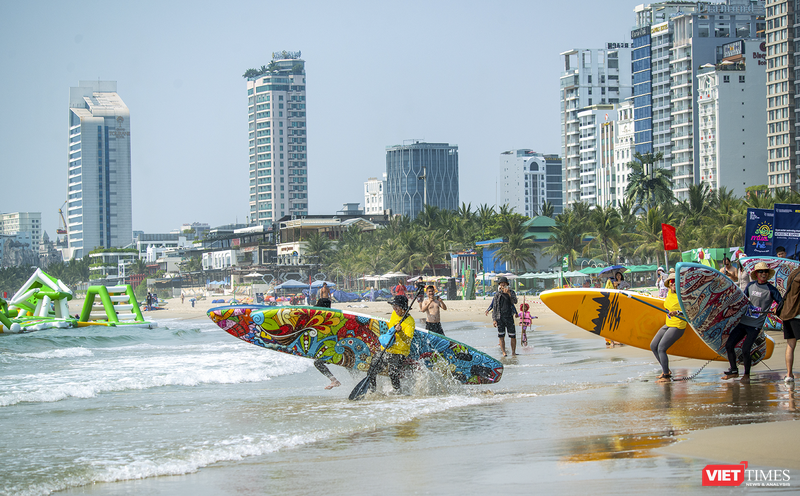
x,y
396,351
670,333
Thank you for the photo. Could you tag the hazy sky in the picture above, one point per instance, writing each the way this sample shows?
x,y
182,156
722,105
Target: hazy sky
x,y
482,75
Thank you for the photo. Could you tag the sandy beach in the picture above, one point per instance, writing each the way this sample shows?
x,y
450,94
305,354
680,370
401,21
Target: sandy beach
x,y
767,444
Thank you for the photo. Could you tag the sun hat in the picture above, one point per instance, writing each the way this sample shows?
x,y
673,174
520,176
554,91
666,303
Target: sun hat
x,y
502,279
671,277
761,266
399,300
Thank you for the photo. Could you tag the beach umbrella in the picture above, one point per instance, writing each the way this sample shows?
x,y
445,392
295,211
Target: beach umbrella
x,y
292,284
318,284
254,274
613,268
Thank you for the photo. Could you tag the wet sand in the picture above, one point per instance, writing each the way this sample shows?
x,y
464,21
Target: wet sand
x,y
684,448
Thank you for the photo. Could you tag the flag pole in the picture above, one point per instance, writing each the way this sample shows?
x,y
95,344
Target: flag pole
x,y
666,260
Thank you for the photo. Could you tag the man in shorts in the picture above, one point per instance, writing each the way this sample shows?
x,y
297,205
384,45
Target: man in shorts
x,y
324,296
504,308
432,306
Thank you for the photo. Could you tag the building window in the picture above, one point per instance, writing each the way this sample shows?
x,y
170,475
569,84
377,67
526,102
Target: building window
x,y
726,79
741,79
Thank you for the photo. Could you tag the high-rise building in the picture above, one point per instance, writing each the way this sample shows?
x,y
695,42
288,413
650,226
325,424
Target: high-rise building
x,y
528,179
276,99
671,41
730,103
595,124
375,195
420,174
782,81
590,77
624,150
99,211
17,222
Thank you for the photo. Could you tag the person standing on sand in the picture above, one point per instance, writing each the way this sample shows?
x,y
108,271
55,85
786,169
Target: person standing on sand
x,y
324,298
761,295
182,297
432,306
525,319
729,270
670,333
620,282
790,315
503,311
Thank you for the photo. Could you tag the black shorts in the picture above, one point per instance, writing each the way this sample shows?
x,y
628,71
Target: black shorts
x,y
791,329
506,326
323,302
434,327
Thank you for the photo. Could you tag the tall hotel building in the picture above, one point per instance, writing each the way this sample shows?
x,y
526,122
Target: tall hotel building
x,y
782,79
276,99
671,41
590,77
99,169
529,179
420,174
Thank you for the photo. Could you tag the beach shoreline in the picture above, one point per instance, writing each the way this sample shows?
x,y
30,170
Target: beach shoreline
x,y
768,444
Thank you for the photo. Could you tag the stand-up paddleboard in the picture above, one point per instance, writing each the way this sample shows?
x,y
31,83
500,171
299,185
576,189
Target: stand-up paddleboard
x,y
622,316
348,339
713,304
782,267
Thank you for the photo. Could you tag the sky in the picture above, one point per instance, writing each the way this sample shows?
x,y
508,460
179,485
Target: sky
x,y
481,75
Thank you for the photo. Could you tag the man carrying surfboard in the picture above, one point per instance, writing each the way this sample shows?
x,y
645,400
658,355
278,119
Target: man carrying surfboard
x,y
761,295
397,349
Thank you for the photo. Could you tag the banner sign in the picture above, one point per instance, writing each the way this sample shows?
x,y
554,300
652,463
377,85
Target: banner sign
x,y
758,232
786,229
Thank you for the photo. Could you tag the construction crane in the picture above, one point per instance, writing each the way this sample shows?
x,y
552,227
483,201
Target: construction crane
x,y
62,222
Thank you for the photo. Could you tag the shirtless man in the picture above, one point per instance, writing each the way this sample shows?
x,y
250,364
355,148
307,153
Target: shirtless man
x,y
324,296
432,306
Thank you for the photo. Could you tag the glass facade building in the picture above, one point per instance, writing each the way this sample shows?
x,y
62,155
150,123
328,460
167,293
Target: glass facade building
x,y
99,212
421,174
276,99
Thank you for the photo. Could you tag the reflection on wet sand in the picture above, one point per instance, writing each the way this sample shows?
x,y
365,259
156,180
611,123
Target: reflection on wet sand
x,y
645,419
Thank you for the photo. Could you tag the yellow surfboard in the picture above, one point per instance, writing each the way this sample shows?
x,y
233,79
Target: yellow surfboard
x,y
616,315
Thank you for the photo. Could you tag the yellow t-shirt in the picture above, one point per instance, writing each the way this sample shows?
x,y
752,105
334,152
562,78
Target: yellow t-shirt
x,y
402,339
672,304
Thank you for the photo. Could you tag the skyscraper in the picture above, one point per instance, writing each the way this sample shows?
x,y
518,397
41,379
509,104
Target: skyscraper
x,y
99,169
421,174
590,77
276,99
671,41
782,37
528,179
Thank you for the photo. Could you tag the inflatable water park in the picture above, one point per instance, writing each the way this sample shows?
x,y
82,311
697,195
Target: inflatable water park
x,y
42,303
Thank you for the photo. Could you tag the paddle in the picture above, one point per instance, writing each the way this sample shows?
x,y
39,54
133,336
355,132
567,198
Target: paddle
x,y
651,305
362,387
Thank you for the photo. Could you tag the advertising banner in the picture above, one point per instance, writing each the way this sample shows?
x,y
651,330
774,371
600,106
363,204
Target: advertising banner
x,y
786,229
758,232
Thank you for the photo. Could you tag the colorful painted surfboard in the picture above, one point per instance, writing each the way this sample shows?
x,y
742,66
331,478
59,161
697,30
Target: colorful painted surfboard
x,y
348,339
782,267
713,304
623,316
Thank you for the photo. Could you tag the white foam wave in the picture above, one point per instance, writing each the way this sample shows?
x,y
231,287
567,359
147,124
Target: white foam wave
x,y
126,372
62,353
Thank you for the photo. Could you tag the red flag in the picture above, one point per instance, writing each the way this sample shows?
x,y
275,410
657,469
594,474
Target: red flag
x,y
670,240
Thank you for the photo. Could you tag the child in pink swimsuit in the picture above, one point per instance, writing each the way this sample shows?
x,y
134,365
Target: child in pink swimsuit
x,y
525,319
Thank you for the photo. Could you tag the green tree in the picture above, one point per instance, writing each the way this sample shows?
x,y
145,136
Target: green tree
x,y
606,230
648,185
566,237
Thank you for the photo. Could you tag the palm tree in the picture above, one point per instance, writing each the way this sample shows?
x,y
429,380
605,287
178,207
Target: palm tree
x,y
648,185
517,252
566,236
547,209
318,247
606,230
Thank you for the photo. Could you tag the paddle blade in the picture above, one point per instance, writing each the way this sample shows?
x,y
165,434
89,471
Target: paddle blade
x,y
361,389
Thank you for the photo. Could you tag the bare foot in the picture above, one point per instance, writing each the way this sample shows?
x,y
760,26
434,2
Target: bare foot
x,y
745,379
333,384
504,353
513,354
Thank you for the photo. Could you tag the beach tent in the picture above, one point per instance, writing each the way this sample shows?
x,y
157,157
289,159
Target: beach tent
x,y
318,284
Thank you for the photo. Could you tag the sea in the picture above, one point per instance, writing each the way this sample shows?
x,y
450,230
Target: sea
x,y
187,409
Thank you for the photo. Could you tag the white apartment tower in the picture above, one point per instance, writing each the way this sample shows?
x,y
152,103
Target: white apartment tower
x,y
524,177
99,212
590,77
374,195
276,99
596,155
17,222
781,90
624,148
730,103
